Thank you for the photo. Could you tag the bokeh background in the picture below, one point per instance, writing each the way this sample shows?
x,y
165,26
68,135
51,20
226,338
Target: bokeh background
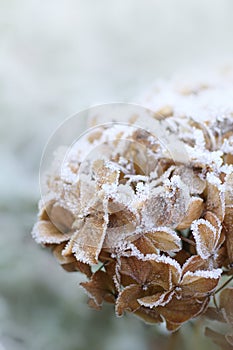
x,y
56,58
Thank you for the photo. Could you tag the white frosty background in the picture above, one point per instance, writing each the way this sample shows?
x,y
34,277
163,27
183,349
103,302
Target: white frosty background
x,y
57,57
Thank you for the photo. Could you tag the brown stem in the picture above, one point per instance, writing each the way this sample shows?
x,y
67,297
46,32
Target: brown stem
x,y
215,302
189,241
224,285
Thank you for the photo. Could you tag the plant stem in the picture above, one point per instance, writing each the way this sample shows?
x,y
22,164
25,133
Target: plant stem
x,y
188,241
224,285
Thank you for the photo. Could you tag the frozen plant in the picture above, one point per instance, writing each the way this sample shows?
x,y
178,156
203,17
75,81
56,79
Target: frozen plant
x,y
151,230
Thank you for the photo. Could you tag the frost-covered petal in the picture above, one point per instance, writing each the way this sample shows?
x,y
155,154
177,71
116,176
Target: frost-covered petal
x,y
61,218
178,311
100,288
200,283
128,299
44,232
150,316
164,239
215,196
155,299
88,240
191,178
151,269
194,263
205,236
69,262
194,211
228,225
145,245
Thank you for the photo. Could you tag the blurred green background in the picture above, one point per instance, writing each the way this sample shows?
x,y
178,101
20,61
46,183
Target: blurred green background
x,y
56,58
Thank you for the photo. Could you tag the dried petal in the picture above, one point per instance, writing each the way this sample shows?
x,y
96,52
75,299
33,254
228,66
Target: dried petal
x,y
87,242
69,262
44,232
215,196
100,288
164,239
194,212
148,315
200,283
228,224
128,299
178,311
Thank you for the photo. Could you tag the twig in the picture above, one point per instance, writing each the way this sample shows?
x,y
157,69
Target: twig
x,y
224,285
187,240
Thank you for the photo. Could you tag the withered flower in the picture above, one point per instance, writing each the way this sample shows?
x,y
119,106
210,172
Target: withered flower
x,y
159,283
144,208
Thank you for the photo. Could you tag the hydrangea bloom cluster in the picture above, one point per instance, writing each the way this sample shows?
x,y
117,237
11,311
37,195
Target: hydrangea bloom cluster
x,y
152,232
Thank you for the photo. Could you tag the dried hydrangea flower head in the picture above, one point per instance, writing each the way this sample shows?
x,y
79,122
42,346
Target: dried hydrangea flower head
x,y
142,204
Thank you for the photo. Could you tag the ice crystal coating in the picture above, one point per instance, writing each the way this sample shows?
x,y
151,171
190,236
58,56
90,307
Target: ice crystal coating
x,y
149,198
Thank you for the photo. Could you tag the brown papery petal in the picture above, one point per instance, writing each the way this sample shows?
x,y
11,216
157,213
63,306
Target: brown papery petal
x,y
153,300
199,283
145,245
147,271
178,311
69,262
148,315
100,288
205,236
214,220
165,239
218,339
215,200
45,232
88,241
194,212
194,263
226,303
61,218
128,299
228,225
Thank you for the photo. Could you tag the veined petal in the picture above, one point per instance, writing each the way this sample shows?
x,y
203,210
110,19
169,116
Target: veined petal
x,y
128,299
